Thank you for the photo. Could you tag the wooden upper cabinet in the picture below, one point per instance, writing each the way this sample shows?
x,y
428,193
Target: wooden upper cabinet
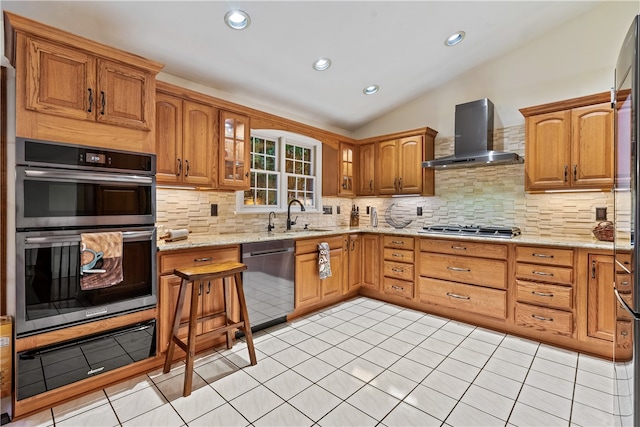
x,y
399,166
347,166
235,151
60,80
569,145
74,90
125,95
366,170
592,146
548,150
185,141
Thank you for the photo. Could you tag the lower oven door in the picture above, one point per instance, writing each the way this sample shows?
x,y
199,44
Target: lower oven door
x,y
48,292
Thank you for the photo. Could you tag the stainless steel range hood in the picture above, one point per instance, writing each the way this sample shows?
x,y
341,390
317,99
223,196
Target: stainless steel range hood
x,y
474,140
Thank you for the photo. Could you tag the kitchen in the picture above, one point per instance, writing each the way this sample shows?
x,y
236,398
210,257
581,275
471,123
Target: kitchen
x,y
471,196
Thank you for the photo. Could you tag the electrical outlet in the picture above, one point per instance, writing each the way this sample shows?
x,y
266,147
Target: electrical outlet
x,y
601,214
327,210
419,211
214,209
338,209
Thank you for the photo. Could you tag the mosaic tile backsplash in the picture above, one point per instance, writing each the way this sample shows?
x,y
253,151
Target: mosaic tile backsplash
x,y
480,196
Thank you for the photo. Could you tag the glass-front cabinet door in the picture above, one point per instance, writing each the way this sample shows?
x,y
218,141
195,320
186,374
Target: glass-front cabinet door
x,y
347,172
234,151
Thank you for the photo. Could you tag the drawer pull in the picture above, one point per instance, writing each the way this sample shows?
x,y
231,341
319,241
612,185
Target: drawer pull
x,y
624,333
458,248
542,294
449,294
542,255
203,259
624,283
397,288
546,319
466,270
542,273
398,255
398,270
397,242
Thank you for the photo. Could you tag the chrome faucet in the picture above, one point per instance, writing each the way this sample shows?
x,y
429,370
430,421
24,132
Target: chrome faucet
x,y
302,209
271,226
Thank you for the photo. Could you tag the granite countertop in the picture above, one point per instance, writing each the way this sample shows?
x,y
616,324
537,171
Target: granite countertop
x,y
204,240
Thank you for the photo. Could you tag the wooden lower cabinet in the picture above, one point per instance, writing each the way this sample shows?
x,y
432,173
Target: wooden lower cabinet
x,y
310,290
371,261
460,296
169,286
601,301
398,266
353,262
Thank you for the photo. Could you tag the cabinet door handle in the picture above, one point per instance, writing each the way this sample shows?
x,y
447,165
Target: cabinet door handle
x,y
400,184
200,289
398,270
353,245
542,294
179,167
371,185
90,100
397,255
566,172
467,270
541,255
203,259
593,269
186,163
542,273
102,102
246,175
575,172
208,288
546,319
458,248
452,295
395,183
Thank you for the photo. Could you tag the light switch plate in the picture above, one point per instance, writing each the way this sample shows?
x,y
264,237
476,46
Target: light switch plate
x,y
601,214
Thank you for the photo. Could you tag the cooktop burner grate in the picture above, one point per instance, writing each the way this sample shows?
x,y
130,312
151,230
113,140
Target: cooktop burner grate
x,y
473,230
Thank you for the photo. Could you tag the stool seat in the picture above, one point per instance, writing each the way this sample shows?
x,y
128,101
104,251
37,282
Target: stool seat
x,y
207,273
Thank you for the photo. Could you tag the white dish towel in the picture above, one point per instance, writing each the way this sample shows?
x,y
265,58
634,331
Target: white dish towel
x,y
324,260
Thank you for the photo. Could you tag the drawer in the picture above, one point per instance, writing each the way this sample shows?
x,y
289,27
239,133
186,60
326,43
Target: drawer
x,y
399,270
457,247
473,299
545,294
623,341
399,255
307,246
398,242
476,271
170,261
623,282
544,273
400,288
544,319
621,312
549,256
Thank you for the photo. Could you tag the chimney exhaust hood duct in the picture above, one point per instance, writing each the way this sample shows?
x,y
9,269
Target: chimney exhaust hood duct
x,y
473,144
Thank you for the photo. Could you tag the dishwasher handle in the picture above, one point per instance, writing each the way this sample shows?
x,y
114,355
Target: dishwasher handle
x,y
267,252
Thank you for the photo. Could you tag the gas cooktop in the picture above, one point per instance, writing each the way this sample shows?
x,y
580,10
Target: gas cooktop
x,y
473,230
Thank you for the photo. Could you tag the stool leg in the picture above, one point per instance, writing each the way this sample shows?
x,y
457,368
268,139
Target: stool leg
x,y
176,325
244,314
226,289
196,290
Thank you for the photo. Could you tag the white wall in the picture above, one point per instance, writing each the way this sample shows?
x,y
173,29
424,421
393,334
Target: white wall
x,y
574,60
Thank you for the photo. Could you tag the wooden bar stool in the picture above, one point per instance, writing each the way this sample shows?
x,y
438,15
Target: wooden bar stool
x,y
202,274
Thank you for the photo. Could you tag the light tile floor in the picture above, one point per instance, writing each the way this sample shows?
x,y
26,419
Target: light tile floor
x,y
362,363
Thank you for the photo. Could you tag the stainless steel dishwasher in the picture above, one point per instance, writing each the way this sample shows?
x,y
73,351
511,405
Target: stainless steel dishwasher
x,y
268,281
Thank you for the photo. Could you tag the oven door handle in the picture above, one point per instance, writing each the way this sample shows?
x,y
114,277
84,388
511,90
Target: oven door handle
x,y
72,238
87,177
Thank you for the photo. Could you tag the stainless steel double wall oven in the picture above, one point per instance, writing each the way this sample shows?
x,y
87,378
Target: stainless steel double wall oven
x,y
63,191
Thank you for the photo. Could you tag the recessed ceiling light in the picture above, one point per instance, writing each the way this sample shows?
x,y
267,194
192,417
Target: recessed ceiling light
x,y
370,90
237,19
454,38
321,64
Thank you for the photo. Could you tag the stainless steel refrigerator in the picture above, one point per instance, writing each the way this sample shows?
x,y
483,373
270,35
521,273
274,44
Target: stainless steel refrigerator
x,y
626,215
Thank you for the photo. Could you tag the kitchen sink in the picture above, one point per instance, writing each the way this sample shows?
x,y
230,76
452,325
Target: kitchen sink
x,y
306,230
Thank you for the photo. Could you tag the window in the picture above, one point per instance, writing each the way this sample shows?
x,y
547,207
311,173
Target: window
x,y
284,166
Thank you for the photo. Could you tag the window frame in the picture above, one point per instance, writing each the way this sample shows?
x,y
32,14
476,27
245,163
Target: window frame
x,y
282,138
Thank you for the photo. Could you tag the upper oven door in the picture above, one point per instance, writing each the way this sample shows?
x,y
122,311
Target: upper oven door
x,y
61,198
